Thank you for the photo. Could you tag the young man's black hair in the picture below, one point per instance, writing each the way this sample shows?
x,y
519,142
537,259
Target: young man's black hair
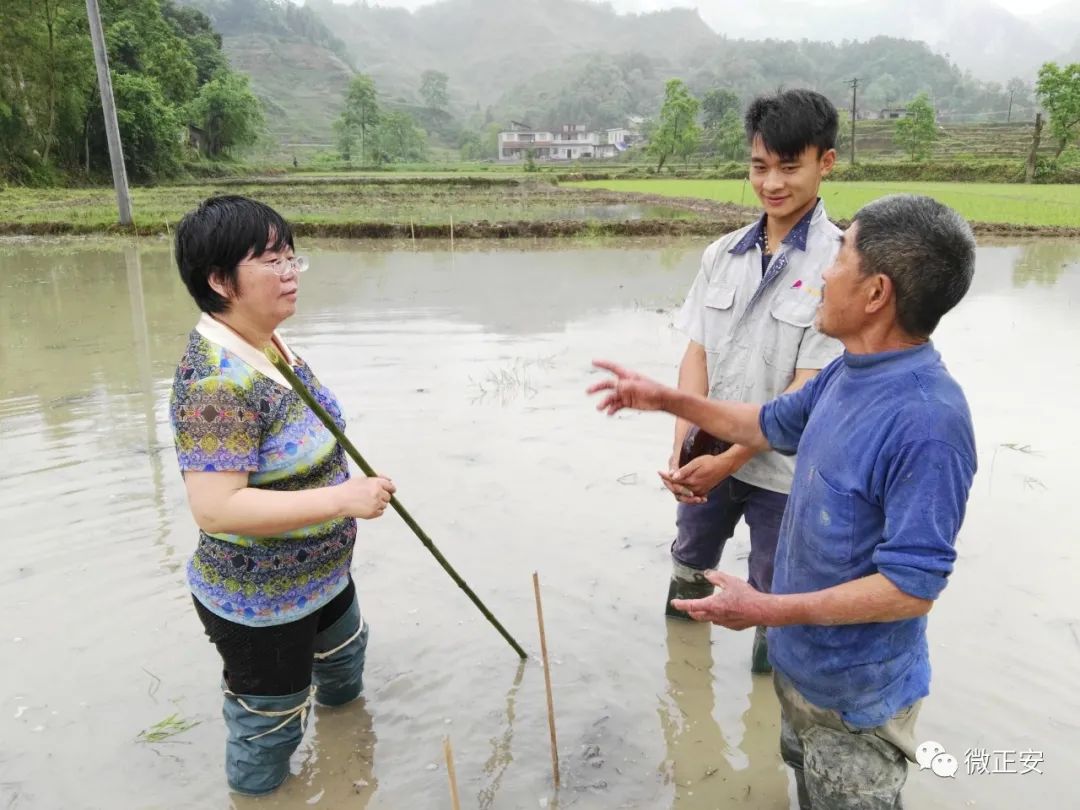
x,y
791,121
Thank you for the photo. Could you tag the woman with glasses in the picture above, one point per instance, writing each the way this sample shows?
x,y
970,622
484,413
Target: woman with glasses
x,y
269,487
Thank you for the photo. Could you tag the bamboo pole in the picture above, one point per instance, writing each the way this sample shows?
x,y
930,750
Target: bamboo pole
x,y
451,775
298,386
547,680
451,233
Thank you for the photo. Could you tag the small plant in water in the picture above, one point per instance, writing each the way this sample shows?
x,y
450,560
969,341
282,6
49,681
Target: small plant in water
x,y
163,730
1026,449
511,381
506,384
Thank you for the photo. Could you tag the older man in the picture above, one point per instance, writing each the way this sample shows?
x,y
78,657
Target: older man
x,y
886,457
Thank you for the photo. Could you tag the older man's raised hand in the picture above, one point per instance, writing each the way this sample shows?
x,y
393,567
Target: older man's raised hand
x,y
627,389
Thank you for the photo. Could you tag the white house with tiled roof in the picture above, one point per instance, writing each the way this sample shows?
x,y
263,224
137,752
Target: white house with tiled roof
x,y
573,142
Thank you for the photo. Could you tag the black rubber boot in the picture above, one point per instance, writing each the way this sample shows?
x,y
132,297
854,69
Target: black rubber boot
x,y
686,583
759,658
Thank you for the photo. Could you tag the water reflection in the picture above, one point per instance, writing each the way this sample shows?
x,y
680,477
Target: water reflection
x,y
707,770
1043,262
337,767
505,292
154,450
502,754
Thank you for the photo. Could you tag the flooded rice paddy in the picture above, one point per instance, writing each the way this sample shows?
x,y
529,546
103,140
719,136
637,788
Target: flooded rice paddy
x,y
462,376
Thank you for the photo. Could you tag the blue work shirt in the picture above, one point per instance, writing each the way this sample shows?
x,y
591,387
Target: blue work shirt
x,y
886,457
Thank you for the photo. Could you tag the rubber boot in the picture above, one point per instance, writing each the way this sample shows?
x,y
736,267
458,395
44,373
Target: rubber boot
x,y
338,669
686,583
759,658
263,733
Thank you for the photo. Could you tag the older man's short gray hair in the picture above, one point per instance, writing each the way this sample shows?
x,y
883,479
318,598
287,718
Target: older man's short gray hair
x,y
925,248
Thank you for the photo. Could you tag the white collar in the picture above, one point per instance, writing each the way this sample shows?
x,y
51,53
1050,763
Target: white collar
x,y
217,332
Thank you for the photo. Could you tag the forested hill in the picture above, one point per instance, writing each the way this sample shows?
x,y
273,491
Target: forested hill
x,y
559,61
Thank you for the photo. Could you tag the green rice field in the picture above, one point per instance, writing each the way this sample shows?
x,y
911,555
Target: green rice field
x,y
1046,205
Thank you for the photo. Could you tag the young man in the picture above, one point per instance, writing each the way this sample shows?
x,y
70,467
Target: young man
x,y
750,320
886,460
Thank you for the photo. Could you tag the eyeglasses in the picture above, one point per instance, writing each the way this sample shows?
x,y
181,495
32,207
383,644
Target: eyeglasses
x,y
283,265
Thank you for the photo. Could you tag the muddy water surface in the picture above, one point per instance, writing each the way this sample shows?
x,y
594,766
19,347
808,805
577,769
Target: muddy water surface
x,y
462,377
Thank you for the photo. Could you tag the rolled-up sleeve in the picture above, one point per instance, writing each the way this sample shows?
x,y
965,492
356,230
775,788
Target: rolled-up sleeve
x,y
926,495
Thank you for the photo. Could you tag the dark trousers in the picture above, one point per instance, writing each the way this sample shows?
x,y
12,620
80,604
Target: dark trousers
x,y
703,529
274,660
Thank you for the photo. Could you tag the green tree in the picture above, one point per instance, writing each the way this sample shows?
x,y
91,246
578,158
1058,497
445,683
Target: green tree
x,y
398,139
149,127
171,63
141,41
1020,93
597,96
470,145
1058,89
434,89
843,131
677,132
917,131
203,41
726,139
45,79
359,117
229,113
161,55
482,144
345,138
715,106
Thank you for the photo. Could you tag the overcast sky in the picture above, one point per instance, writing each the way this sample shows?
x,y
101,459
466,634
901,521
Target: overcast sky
x,y
1021,7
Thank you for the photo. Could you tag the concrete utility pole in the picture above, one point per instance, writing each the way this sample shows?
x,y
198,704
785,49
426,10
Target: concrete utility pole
x,y
854,109
1012,93
108,107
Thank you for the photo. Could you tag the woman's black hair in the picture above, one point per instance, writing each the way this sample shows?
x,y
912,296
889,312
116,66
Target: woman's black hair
x,y
214,238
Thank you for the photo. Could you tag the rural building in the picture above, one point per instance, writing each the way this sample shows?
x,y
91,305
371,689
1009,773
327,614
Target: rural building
x,y
572,142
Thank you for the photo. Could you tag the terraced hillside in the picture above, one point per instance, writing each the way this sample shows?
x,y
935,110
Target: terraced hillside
x,y
874,141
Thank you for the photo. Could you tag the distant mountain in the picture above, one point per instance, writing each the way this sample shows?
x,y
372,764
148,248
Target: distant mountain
x,y
488,46
298,68
977,35
579,61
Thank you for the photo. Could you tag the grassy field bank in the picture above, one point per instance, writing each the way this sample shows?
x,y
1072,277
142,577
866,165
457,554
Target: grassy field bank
x,y
1042,205
379,207
506,205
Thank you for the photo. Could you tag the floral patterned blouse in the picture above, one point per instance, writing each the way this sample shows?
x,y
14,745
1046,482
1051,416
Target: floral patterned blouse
x,y
231,411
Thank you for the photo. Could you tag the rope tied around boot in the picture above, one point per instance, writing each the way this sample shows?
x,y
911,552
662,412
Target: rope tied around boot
x,y
300,712
320,656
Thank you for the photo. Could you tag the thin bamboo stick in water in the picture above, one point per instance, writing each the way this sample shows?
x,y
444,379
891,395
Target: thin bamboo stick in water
x,y
547,680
